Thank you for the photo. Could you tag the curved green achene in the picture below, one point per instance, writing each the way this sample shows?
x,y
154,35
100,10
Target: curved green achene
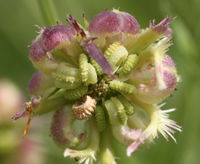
x,y
66,85
127,105
121,113
64,78
100,118
92,75
116,54
116,127
96,66
74,94
69,70
129,64
67,73
83,65
122,87
109,51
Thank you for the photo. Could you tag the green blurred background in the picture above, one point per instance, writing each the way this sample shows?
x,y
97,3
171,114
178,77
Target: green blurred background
x,y
17,30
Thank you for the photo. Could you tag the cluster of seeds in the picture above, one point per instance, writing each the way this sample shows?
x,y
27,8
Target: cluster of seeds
x,y
105,81
85,85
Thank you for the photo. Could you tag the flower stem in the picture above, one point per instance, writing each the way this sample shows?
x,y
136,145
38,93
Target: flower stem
x,y
106,154
48,12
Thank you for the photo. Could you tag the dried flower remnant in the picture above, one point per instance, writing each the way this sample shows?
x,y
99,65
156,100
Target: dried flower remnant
x,y
14,148
105,81
84,109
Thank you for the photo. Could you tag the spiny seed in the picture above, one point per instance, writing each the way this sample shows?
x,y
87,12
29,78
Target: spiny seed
x,y
116,54
64,78
74,94
129,64
96,66
100,118
85,108
111,49
127,105
83,64
66,85
121,113
92,75
122,87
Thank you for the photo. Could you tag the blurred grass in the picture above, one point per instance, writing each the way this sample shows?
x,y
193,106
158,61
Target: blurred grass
x,y
17,30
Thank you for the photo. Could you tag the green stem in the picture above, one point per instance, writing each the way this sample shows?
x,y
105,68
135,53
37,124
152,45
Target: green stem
x,y
106,153
48,12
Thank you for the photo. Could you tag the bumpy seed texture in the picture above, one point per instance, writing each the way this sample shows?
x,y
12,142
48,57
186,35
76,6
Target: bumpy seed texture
x,y
121,113
84,109
122,87
116,54
129,64
74,94
100,118
66,85
128,107
64,78
105,82
96,66
92,75
83,64
111,49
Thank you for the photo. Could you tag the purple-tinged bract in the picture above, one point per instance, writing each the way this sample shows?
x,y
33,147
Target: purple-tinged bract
x,y
162,27
56,37
36,50
112,22
154,80
38,83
